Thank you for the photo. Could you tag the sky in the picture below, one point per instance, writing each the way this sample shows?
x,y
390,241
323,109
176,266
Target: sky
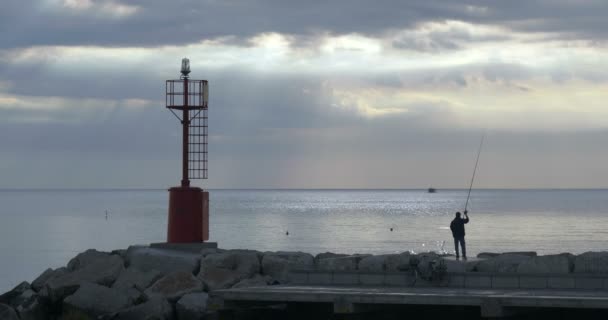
x,y
307,94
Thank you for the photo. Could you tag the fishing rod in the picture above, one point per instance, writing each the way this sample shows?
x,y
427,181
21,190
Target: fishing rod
x,y
474,170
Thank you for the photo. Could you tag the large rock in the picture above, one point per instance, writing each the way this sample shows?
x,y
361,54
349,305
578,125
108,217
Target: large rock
x,y
162,260
47,275
560,263
93,300
504,263
102,271
523,253
326,255
85,258
30,306
7,312
133,278
223,270
277,264
397,262
373,263
458,266
256,281
157,308
346,263
174,285
8,297
192,306
487,255
591,262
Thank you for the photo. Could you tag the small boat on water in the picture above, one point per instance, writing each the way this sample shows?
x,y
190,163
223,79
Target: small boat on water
x,y
432,190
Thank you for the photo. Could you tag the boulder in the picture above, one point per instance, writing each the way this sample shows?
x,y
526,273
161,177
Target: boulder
x,y
207,251
85,258
504,263
32,307
326,255
560,263
192,306
133,278
277,264
223,270
523,253
256,281
47,275
373,263
457,266
8,297
591,262
345,263
7,312
156,308
102,271
94,301
426,263
397,262
487,255
174,285
162,260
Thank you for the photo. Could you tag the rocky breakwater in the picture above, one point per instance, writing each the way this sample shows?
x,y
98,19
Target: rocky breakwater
x,y
144,283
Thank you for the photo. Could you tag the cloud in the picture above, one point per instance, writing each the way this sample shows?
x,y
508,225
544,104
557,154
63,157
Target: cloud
x,y
154,23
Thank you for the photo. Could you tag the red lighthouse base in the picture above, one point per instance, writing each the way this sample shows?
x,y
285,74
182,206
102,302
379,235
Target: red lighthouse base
x,y
188,215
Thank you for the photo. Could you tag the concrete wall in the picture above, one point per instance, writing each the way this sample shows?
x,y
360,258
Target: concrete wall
x,y
452,280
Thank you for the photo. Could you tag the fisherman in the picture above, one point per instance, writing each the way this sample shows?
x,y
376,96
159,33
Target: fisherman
x,y
457,227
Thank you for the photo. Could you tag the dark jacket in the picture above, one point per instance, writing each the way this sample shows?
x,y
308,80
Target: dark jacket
x,y
457,227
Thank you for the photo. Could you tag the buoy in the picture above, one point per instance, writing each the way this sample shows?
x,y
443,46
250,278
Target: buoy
x,y
287,233
391,229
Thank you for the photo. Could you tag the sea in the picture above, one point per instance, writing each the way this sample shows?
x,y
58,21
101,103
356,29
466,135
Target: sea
x,y
46,228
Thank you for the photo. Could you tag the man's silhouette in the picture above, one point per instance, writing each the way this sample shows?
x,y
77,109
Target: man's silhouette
x,y
457,227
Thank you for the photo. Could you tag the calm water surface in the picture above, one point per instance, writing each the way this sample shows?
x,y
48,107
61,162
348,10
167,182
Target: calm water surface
x,y
42,228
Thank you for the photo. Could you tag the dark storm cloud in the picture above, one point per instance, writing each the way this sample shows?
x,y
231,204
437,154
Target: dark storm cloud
x,y
159,22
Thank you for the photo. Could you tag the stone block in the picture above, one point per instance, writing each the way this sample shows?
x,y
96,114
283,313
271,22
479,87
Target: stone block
x,y
505,282
591,262
7,312
397,262
373,263
477,281
94,301
589,283
192,306
101,271
504,263
85,258
223,270
346,278
257,280
348,263
155,308
174,285
532,282
371,279
322,278
298,277
396,279
133,278
555,264
561,283
455,281
278,264
162,260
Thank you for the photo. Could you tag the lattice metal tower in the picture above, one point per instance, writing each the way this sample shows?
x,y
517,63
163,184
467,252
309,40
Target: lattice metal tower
x,y
189,206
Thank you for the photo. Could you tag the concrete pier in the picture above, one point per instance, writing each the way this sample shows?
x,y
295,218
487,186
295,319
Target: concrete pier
x,y
492,303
